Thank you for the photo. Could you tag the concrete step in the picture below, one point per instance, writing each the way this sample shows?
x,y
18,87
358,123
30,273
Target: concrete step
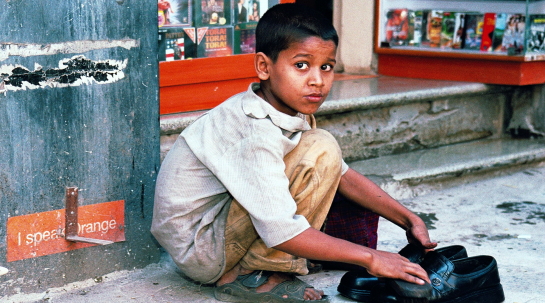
x,y
414,173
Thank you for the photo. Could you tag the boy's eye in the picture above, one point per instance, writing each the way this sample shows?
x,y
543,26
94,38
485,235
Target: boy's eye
x,y
301,65
327,67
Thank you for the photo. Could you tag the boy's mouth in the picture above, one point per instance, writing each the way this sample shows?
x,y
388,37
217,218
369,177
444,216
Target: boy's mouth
x,y
314,97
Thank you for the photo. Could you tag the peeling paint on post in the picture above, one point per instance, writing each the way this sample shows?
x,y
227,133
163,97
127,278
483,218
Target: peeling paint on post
x,y
71,72
78,108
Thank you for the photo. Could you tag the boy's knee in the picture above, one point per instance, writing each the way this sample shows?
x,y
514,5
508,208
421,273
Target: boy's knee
x,y
321,137
321,140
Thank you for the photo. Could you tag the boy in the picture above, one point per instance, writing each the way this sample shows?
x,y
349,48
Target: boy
x,y
243,192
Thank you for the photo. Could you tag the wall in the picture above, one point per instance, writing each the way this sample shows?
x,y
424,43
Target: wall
x,y
528,108
78,107
354,21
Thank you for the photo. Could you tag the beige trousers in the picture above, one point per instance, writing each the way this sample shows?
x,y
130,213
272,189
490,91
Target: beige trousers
x,y
314,172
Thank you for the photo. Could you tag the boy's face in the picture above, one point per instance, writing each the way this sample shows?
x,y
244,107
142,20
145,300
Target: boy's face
x,y
301,77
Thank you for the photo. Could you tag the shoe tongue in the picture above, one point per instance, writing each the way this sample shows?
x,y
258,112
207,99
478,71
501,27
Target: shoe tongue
x,y
412,252
436,263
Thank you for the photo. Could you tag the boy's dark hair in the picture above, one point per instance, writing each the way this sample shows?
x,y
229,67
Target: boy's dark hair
x,y
284,24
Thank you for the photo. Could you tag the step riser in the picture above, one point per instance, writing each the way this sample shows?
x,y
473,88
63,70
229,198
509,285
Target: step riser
x,y
411,188
426,124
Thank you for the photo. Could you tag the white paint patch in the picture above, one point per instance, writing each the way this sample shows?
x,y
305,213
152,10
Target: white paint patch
x,y
72,47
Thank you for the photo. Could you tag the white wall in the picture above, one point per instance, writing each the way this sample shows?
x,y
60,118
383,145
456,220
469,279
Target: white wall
x,y
354,21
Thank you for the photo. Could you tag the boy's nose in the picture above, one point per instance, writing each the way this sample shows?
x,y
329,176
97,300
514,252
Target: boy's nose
x,y
316,78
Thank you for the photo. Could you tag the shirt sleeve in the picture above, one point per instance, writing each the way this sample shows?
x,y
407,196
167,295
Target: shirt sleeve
x,y
344,167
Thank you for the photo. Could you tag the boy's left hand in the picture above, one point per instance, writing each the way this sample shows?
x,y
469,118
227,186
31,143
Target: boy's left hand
x,y
418,234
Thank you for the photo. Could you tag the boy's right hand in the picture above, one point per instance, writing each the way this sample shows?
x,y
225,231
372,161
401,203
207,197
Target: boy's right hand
x,y
390,265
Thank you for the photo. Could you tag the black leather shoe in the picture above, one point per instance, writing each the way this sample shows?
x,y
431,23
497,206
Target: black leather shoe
x,y
467,280
361,286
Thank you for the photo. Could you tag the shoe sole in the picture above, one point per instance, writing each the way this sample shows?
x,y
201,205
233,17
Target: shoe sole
x,y
492,294
413,300
360,295
366,296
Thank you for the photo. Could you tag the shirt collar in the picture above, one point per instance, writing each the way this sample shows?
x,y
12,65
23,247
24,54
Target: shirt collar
x,y
255,107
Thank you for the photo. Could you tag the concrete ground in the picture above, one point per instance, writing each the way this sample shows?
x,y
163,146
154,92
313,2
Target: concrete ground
x,y
502,216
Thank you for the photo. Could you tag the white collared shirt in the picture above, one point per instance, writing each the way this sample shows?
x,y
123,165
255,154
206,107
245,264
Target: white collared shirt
x,y
234,151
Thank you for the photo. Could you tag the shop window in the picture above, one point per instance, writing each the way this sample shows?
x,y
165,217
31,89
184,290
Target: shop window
x,y
206,51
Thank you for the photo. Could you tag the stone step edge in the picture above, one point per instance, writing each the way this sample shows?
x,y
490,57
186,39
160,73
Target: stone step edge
x,y
412,183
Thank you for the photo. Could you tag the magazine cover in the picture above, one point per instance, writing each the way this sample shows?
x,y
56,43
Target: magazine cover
x,y
435,26
536,33
459,25
174,13
424,41
214,41
473,31
177,43
447,29
513,37
416,27
488,31
499,30
245,38
397,27
240,11
410,30
256,9
212,12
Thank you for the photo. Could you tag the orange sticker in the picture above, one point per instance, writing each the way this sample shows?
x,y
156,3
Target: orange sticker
x,y
41,234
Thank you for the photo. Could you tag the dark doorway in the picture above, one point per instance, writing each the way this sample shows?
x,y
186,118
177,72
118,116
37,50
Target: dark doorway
x,y
323,6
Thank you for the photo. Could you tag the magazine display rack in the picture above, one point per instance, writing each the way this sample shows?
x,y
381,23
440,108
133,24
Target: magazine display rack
x,y
494,42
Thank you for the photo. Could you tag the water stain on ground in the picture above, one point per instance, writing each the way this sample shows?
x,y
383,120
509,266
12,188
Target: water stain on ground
x,y
429,219
524,212
498,237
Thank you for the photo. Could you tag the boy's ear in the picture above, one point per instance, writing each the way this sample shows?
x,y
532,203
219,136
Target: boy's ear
x,y
262,63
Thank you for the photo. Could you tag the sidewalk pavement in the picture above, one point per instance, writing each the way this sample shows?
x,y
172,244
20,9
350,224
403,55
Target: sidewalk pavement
x,y
502,216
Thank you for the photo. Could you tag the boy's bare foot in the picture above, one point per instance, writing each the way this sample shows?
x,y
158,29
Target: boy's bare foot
x,y
274,280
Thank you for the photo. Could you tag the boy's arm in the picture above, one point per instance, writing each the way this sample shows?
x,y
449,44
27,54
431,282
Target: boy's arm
x,y
316,245
313,244
361,190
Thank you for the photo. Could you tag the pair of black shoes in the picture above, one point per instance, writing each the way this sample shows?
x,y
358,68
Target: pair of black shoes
x,y
455,278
